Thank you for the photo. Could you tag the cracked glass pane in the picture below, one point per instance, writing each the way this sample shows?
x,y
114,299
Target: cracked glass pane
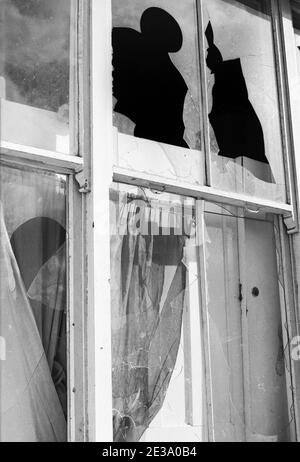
x,y
37,74
156,88
245,133
198,348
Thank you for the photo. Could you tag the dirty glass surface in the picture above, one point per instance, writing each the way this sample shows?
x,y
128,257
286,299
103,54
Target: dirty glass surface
x,y
245,135
149,280
37,74
33,363
156,88
198,351
247,343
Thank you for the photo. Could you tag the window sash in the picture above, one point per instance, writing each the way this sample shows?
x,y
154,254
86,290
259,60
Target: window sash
x,y
155,182
30,153
288,208
104,171
88,217
38,159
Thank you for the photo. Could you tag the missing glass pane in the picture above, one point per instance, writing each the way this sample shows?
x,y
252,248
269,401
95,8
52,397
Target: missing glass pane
x,y
152,71
238,130
245,132
156,88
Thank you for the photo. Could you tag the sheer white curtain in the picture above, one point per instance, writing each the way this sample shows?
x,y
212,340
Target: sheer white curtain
x,y
148,281
33,307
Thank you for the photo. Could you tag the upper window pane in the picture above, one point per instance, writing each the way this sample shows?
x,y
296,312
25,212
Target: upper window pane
x,y
157,96
156,88
245,132
35,74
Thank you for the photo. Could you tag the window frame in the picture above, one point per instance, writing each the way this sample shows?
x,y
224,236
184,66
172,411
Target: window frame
x,y
288,209
73,166
90,175
104,172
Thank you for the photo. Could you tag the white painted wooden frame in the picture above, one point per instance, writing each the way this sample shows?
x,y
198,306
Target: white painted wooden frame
x,y
289,210
103,171
287,91
98,230
290,320
89,333
13,154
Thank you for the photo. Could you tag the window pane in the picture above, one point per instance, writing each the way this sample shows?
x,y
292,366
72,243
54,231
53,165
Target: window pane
x,y
33,352
151,341
182,371
245,134
36,74
246,342
156,87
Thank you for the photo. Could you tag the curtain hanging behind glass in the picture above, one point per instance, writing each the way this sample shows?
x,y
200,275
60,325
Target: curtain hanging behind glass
x,y
33,307
148,281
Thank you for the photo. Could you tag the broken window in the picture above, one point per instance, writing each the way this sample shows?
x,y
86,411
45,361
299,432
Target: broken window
x,y
160,95
245,133
190,361
37,73
156,88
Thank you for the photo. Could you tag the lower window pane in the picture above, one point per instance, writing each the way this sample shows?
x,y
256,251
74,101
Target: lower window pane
x,y
149,281
246,343
197,344
33,362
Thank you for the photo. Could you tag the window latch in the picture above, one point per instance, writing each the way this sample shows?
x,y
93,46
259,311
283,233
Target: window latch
x,y
84,184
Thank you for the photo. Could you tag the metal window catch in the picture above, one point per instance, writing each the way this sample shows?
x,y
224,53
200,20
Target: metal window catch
x,y
84,184
290,223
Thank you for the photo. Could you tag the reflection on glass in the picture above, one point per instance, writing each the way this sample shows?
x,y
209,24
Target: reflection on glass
x,y
35,80
156,86
245,134
33,363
